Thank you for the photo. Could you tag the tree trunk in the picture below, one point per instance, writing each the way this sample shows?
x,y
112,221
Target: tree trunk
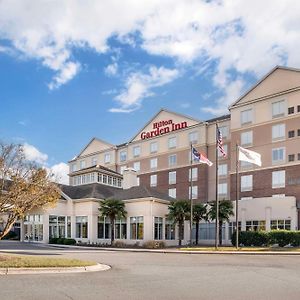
x,y
180,233
197,231
220,232
8,226
112,231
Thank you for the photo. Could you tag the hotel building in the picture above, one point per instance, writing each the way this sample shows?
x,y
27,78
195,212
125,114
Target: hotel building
x,y
266,119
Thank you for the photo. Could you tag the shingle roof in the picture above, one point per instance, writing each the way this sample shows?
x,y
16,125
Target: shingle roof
x,y
219,118
100,191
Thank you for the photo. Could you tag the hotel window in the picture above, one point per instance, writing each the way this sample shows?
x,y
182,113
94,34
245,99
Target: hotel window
x,y
193,137
114,181
278,155
291,157
247,138
172,142
169,230
123,155
153,163
137,166
291,133
172,160
122,168
121,229
222,189
194,174
74,168
280,224
278,109
278,132
99,178
172,177
278,179
222,170
158,228
82,164
246,116
92,177
224,131
226,151
153,180
82,227
119,182
57,226
104,227
136,228
194,192
94,161
136,151
107,158
172,193
153,147
256,225
291,110
109,180
104,179
246,183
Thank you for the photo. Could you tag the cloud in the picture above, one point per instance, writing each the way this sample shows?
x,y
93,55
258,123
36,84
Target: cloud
x,y
33,154
111,69
59,171
139,86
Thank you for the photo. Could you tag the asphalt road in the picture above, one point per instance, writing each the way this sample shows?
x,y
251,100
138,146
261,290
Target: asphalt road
x,y
159,276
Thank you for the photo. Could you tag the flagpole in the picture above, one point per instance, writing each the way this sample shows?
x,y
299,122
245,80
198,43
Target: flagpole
x,y
191,196
237,198
217,201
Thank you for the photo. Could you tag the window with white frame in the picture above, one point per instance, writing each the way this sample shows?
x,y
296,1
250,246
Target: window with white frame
x,y
153,147
137,166
194,192
122,168
278,132
123,155
82,164
136,228
280,224
169,230
194,174
222,189
172,177
172,142
222,170
172,160
256,225
107,158
74,168
278,109
193,137
158,228
82,227
153,163
94,161
224,131
278,179
136,151
153,180
246,116
246,183
247,138
278,155
225,147
172,193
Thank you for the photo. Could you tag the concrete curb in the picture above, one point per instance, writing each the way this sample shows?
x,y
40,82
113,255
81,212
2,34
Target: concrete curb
x,y
54,270
175,251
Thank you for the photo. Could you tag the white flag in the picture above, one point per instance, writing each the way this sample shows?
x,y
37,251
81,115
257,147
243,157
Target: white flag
x,y
249,156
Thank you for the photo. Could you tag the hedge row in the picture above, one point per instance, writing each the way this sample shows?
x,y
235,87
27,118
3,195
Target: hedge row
x,y
62,241
263,238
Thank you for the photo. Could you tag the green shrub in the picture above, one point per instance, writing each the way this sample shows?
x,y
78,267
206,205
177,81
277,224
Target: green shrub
x,y
10,236
69,242
53,240
154,245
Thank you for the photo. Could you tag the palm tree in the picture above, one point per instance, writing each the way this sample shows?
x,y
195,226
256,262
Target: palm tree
x,y
199,213
113,209
179,211
225,211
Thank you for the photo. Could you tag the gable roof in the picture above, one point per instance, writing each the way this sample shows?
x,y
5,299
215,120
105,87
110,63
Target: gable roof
x,y
261,80
167,111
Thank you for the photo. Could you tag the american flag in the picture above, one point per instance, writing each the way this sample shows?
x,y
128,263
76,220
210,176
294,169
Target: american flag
x,y
220,143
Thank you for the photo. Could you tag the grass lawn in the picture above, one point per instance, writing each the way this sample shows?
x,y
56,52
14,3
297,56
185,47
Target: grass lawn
x,y
23,261
247,249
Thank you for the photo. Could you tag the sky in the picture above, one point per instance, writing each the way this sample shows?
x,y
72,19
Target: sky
x,y
74,70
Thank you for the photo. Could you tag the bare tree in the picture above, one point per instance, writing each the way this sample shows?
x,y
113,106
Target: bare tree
x,y
24,186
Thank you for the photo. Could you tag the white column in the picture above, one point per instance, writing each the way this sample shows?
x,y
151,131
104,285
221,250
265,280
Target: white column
x,y
22,231
45,228
268,211
92,227
73,227
243,219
